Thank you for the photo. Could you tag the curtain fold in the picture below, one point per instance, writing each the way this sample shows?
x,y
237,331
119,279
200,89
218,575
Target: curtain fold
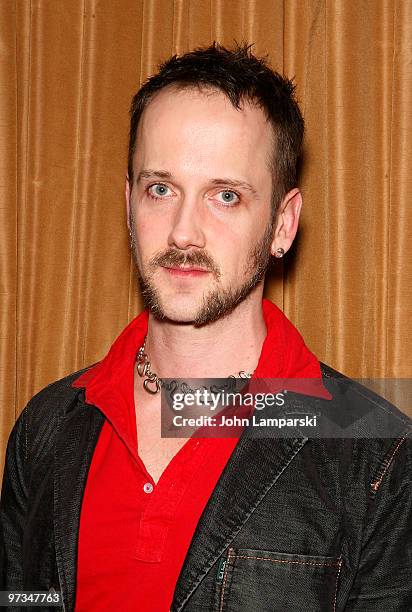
x,y
8,223
68,71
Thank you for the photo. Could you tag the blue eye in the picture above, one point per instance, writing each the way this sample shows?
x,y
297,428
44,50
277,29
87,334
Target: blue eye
x,y
159,190
228,197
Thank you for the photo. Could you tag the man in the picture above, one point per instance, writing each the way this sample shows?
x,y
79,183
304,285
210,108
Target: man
x,y
96,503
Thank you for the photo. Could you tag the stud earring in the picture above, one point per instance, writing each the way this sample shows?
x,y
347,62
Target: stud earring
x,y
279,252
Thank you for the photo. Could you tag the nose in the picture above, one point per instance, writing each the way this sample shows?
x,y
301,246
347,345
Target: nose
x,y
187,226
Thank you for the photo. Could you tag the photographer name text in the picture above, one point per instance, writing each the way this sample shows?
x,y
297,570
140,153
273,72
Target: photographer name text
x,y
234,421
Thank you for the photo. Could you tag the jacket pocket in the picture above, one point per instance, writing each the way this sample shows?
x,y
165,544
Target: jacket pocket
x,y
267,581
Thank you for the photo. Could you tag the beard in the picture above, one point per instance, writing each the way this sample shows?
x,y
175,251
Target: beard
x,y
216,303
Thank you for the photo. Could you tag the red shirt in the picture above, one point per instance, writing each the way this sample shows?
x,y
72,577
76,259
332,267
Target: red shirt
x,y
134,534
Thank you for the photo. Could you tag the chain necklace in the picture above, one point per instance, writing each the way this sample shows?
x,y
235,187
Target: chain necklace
x,y
152,383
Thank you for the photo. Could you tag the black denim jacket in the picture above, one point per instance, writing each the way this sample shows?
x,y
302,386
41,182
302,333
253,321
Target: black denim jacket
x,y
294,524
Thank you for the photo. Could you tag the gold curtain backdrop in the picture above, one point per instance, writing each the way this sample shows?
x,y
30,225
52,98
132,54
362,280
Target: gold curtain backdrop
x,y
68,72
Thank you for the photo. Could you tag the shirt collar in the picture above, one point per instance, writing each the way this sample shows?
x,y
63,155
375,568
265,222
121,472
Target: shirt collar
x,y
109,384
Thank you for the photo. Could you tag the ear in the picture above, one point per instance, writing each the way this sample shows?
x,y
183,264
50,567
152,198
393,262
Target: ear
x,y
287,221
127,195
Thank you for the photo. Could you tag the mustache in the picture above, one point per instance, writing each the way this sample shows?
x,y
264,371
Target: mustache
x,y
175,257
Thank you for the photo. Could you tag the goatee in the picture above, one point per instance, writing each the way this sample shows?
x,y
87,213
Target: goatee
x,y
218,302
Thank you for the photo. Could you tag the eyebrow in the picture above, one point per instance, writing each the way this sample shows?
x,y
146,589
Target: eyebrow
x,y
150,174
236,184
227,182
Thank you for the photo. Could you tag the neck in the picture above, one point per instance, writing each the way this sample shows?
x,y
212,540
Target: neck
x,y
216,350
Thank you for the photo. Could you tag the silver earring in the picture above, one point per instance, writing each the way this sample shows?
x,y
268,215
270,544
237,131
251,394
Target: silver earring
x,y
279,252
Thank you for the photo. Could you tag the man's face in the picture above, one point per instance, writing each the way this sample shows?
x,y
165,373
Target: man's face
x,y
200,206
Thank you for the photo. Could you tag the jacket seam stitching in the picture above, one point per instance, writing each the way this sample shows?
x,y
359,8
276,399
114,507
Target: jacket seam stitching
x,y
333,564
376,483
336,585
230,556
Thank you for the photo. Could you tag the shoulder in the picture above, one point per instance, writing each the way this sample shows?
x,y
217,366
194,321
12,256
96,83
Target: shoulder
x,y
381,434
34,432
45,407
57,397
364,403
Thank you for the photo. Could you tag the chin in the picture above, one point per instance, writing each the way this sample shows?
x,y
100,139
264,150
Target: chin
x,y
176,310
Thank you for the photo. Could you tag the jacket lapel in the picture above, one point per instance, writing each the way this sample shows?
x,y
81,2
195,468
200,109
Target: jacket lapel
x,y
252,470
76,439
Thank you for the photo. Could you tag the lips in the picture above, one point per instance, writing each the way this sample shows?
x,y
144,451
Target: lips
x,y
186,270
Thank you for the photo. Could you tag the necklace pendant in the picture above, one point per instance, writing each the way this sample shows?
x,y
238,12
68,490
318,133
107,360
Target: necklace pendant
x,y
155,385
142,368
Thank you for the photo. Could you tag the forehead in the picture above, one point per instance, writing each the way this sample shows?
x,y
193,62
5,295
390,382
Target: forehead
x,y
200,127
